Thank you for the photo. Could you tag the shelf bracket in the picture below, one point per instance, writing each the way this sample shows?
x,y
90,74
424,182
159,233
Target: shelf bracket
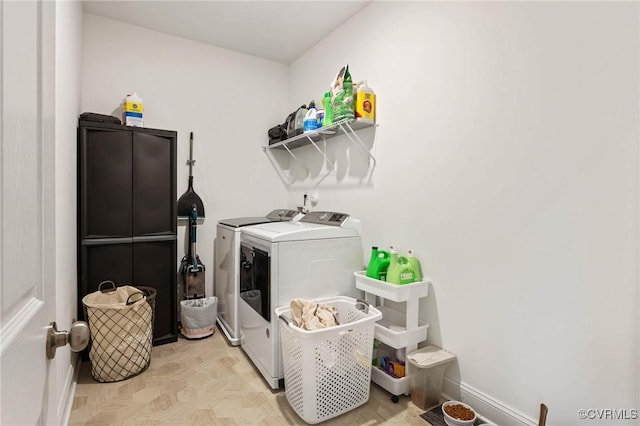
x,y
333,166
287,180
354,138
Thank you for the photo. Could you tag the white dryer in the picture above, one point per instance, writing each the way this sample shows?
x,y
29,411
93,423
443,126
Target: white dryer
x,y
227,270
310,259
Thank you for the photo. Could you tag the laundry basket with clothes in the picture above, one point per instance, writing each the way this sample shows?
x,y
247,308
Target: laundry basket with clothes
x,y
121,326
327,368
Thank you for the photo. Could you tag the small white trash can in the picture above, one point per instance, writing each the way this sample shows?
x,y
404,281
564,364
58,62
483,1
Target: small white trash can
x,y
198,317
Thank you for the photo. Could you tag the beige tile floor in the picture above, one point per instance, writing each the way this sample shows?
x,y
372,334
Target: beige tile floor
x,y
209,382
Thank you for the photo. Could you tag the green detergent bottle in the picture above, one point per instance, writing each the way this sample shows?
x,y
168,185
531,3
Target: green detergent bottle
x,y
378,264
415,264
399,272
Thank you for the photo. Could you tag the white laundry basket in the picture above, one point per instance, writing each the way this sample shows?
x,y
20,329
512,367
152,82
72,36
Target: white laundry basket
x,y
327,372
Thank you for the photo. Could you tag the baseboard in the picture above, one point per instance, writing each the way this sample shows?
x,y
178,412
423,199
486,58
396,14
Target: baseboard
x,y
489,409
69,391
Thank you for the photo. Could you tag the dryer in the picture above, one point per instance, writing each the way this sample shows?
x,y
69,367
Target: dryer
x,y
310,259
226,279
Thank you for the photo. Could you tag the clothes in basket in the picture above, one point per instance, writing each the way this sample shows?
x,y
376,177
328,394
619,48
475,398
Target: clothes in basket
x,y
121,326
327,372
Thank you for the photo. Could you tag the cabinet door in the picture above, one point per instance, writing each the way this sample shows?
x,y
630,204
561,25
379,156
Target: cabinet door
x,y
154,265
154,188
101,262
105,183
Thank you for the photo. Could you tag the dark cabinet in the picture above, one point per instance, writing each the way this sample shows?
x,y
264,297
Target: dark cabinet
x,y
127,214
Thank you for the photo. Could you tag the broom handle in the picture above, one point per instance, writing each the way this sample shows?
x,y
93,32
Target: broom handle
x,y
190,158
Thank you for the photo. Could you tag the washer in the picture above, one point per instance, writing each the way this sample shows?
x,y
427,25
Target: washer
x,y
227,276
310,259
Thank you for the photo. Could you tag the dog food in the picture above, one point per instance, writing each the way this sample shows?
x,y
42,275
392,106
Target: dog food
x,y
459,412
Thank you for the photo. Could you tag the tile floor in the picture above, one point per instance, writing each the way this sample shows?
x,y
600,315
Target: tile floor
x,y
209,382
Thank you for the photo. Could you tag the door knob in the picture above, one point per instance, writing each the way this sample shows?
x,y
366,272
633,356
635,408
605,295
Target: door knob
x,y
77,337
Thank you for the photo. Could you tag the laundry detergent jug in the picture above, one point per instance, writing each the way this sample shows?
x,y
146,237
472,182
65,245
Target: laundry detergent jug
x,y
310,119
400,271
378,264
415,264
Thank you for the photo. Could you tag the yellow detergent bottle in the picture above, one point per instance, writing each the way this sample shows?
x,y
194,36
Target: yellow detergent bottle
x,y
365,104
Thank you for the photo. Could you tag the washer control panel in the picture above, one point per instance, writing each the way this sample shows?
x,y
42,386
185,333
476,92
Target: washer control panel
x,y
325,218
282,215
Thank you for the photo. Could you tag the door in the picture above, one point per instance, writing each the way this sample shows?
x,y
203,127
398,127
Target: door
x,y
101,262
153,183
255,279
27,253
105,168
154,260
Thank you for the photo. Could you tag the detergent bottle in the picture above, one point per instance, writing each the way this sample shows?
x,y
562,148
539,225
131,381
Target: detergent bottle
x,y
393,266
378,264
328,109
399,272
365,105
310,120
132,110
372,262
415,265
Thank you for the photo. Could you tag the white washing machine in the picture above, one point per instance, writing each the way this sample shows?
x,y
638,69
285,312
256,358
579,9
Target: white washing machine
x,y
309,259
227,270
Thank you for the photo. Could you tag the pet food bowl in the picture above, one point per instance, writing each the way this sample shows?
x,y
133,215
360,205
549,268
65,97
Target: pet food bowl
x,y
452,421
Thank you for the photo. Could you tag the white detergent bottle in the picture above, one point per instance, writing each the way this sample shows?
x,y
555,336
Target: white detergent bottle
x,y
311,119
132,110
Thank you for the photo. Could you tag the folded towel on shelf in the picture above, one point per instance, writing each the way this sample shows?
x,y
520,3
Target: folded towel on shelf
x,y
312,316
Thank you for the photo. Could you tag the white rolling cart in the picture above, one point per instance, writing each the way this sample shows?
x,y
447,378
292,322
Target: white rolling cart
x,y
396,329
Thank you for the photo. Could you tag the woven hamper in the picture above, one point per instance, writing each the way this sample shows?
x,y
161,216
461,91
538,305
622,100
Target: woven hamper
x,y
121,325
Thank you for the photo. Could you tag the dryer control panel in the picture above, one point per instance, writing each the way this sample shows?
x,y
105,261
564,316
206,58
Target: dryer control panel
x,y
325,218
282,215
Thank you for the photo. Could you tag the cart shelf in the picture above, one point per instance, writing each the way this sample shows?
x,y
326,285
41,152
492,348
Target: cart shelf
x,y
395,338
395,292
391,384
410,331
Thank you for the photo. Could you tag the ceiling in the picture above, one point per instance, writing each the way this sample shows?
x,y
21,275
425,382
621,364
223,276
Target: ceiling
x,y
277,30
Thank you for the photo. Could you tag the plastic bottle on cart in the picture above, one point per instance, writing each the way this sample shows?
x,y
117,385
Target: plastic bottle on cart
x,y
372,262
415,264
365,105
393,264
374,357
378,264
400,272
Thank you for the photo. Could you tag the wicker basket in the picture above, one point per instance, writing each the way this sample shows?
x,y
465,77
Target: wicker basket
x,y
121,325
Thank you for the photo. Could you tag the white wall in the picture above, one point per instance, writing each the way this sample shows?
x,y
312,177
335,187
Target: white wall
x,y
67,86
227,99
508,160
